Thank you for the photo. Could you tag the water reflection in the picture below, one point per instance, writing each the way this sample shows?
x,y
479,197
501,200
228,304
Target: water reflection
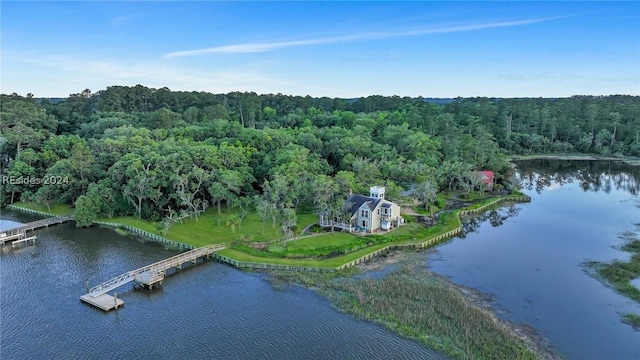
x,y
590,175
495,217
532,260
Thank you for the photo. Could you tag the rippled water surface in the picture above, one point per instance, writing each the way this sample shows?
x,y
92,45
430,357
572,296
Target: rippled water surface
x,y
205,311
531,256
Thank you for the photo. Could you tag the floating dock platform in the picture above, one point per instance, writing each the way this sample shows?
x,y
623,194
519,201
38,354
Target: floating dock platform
x,y
105,302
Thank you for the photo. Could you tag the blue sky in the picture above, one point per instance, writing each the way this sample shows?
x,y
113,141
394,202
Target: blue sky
x,y
335,49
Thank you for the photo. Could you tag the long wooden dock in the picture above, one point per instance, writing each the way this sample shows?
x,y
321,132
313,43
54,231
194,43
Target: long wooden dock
x,y
18,234
147,275
38,224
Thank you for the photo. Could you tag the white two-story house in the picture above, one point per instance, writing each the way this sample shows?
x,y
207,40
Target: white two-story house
x,y
369,213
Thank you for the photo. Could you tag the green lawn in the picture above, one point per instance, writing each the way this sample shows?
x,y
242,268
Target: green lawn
x,y
211,228
321,250
206,231
416,232
408,228
319,241
326,263
56,209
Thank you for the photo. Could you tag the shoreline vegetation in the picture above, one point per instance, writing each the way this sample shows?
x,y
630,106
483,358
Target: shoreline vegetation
x,y
330,251
421,305
619,274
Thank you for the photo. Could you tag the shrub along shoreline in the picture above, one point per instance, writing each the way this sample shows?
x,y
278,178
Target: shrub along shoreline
x,y
449,225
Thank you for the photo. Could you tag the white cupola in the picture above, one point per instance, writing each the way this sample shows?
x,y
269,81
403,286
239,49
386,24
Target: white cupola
x,y
376,192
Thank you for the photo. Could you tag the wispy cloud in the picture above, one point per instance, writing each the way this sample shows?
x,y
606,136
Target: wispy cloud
x,y
271,46
122,19
75,72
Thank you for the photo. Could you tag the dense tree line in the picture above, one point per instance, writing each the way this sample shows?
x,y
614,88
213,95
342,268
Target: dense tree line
x,y
163,155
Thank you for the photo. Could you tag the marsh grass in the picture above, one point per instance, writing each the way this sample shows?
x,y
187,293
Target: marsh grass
x,y
619,274
632,319
418,304
433,313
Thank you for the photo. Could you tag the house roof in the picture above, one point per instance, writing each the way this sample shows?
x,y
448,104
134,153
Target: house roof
x,y
386,205
7,225
358,200
486,176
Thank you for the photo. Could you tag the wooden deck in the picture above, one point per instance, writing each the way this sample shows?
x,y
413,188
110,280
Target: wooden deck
x,y
104,301
337,225
11,238
149,278
150,274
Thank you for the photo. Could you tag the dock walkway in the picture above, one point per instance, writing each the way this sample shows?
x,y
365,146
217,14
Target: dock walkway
x,y
38,224
18,234
147,275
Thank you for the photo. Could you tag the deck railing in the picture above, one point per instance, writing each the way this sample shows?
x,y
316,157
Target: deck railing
x,y
157,267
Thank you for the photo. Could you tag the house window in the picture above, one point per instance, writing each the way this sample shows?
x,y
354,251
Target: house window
x,y
386,211
364,224
378,211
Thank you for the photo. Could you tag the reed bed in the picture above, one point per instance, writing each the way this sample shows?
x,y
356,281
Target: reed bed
x,y
429,310
632,319
619,274
418,304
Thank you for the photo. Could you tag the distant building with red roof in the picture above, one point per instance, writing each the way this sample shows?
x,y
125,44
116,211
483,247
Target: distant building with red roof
x,y
487,178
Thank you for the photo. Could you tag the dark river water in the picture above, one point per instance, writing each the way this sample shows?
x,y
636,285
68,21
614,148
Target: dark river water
x,y
530,256
207,311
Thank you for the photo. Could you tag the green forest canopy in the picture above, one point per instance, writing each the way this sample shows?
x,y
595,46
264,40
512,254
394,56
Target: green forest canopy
x,y
161,154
